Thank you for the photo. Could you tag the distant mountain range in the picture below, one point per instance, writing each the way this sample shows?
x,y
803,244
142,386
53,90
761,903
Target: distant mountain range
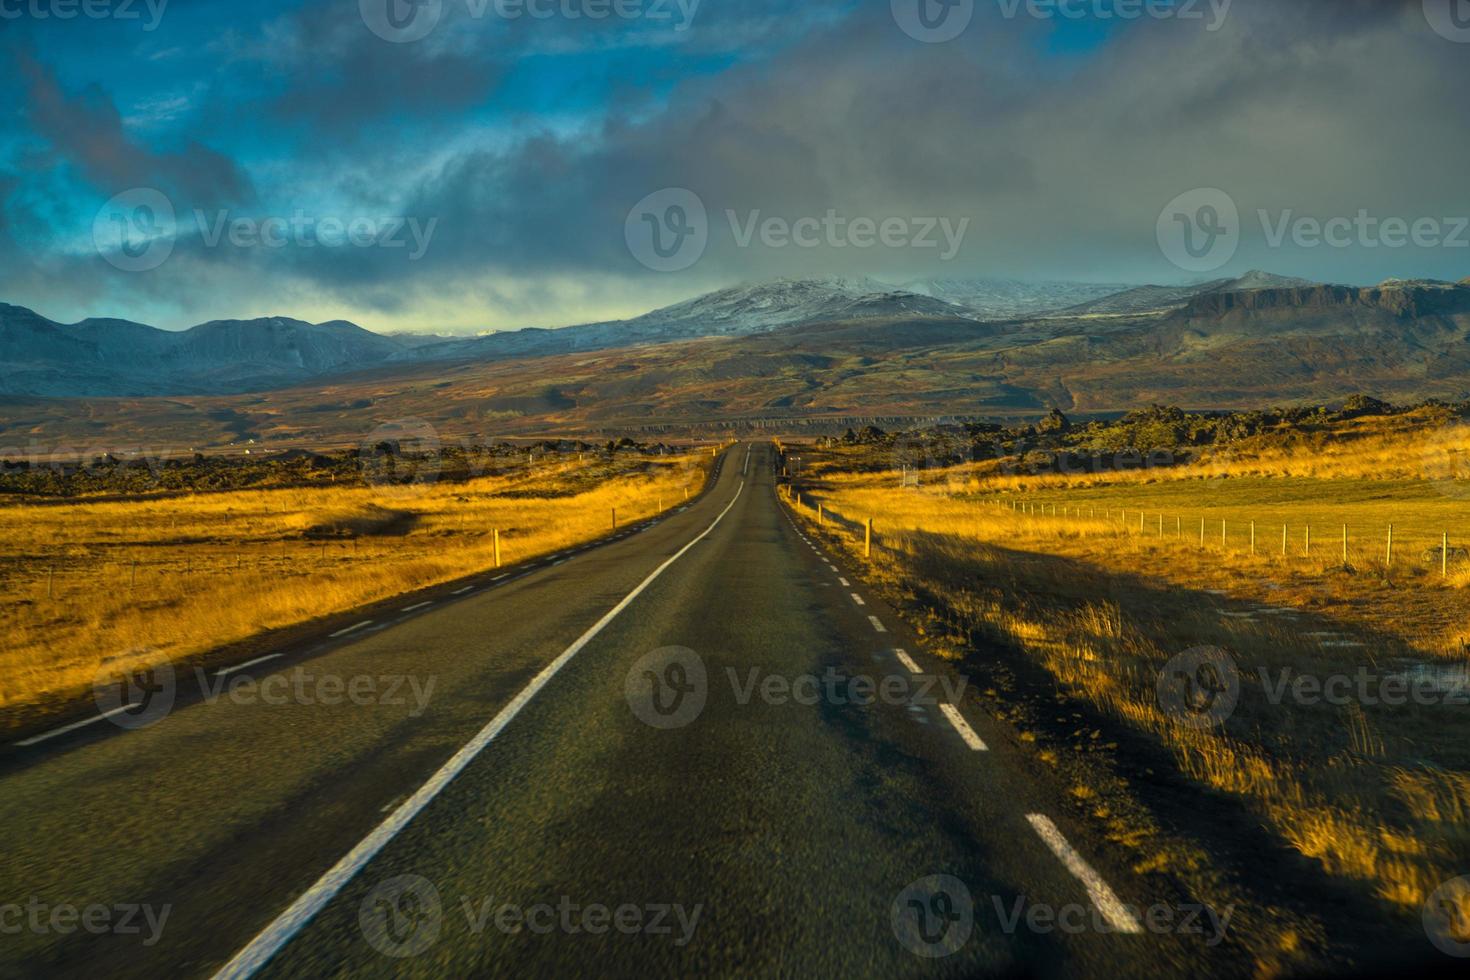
x,y
107,357
849,357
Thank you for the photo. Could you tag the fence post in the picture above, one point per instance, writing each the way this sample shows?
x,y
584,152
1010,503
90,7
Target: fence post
x,y
821,514
868,539
1283,540
497,547
1223,540
1201,532
1253,537
1307,547
1388,554
615,518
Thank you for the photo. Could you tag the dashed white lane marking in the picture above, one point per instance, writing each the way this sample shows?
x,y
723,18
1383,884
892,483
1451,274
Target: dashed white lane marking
x,y
350,629
963,727
44,736
907,661
501,577
314,899
1102,896
417,607
556,563
858,599
225,671
462,591
845,582
877,624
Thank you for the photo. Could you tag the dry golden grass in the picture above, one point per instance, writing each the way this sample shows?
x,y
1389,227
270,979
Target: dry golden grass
x,y
87,584
1376,794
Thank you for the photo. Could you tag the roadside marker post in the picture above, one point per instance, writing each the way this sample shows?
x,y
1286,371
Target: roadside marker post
x,y
868,539
497,547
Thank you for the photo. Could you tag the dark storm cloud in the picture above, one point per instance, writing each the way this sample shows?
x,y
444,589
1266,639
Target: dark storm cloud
x,y
1060,155
332,72
86,130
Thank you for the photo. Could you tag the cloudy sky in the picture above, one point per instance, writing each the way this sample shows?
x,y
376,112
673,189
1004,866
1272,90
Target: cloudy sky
x,y
462,165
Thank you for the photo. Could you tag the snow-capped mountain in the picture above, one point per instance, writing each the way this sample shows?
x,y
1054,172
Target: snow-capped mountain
x,y
1009,299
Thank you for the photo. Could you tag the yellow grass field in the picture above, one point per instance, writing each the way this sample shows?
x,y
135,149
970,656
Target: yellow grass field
x,y
1102,580
87,584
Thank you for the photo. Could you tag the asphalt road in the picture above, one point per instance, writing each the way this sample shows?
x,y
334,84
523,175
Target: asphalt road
x,y
699,748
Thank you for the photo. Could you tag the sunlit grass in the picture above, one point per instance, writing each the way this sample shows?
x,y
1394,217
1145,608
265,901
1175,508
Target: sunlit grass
x,y
87,584
1104,593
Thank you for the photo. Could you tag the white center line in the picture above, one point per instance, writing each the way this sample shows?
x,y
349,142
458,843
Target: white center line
x,y
314,899
249,663
877,624
858,599
417,607
37,739
1102,896
907,661
845,582
963,727
500,577
350,629
462,591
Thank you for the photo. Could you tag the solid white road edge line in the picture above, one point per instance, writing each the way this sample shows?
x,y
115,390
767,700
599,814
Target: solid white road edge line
x,y
37,739
224,671
963,727
1102,896
280,932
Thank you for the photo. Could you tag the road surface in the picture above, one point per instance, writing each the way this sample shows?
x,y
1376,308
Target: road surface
x,y
703,747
